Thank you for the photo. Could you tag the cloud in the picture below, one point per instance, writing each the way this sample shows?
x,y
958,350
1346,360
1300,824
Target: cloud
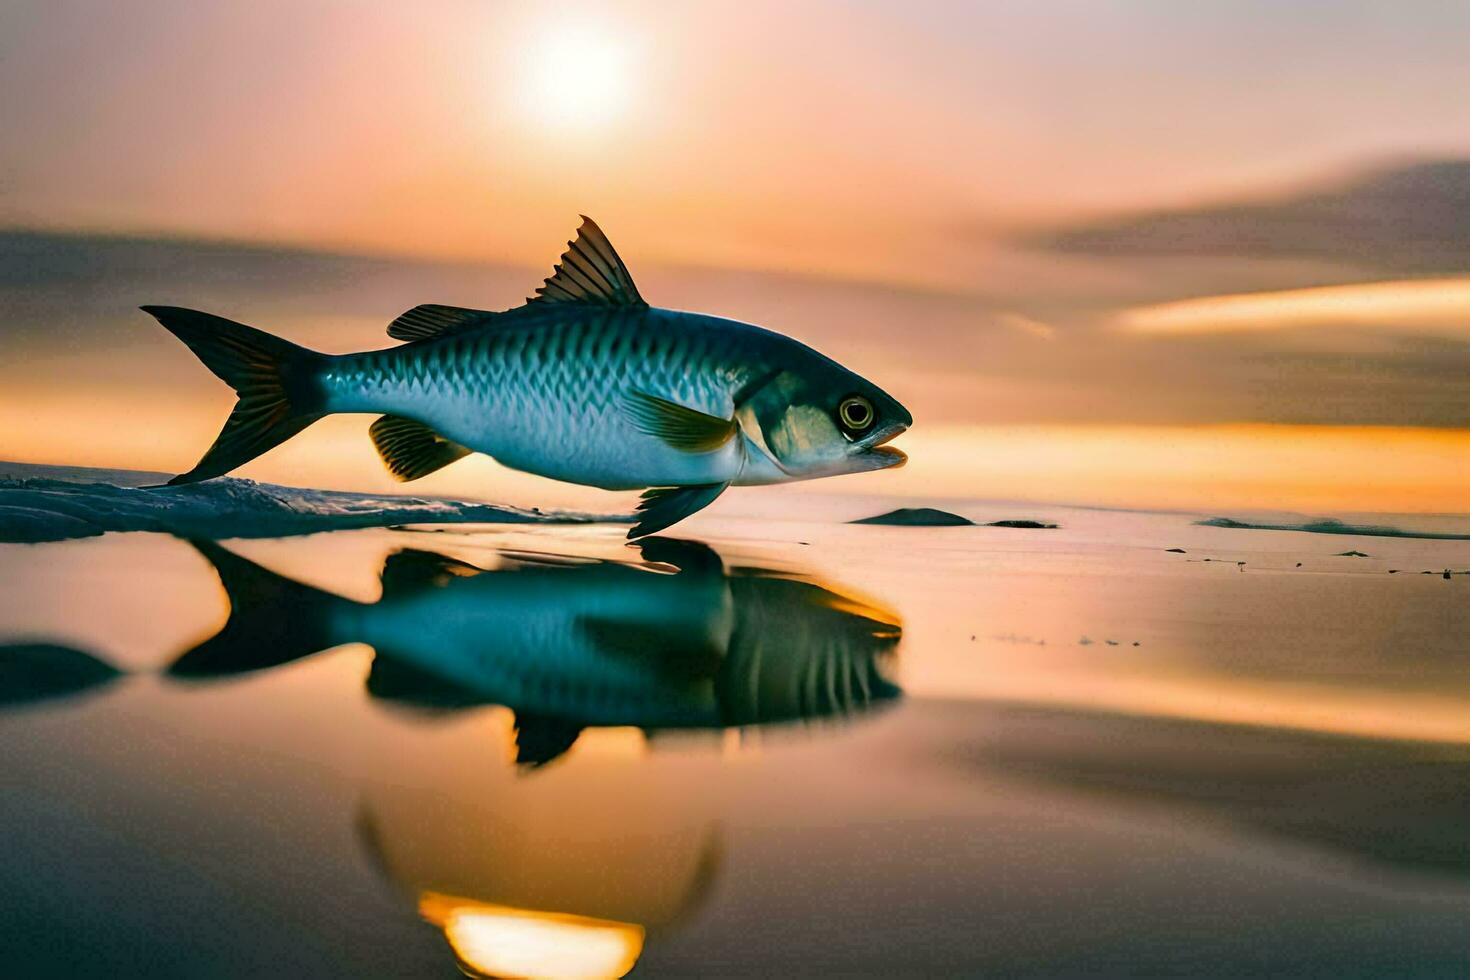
x,y
1022,323
81,355
1416,305
1413,218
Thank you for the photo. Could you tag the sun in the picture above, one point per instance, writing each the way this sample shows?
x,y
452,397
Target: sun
x,y
578,80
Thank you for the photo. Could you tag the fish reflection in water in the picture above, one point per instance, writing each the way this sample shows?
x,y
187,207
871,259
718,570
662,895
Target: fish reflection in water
x,y
569,643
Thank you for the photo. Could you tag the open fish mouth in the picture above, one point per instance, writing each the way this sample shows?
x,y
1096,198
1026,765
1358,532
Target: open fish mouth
x,y
886,455
892,456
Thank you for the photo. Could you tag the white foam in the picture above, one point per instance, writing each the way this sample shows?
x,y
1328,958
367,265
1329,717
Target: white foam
x,y
53,503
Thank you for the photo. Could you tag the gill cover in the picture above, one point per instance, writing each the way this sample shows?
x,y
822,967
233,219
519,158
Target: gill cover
x,y
775,420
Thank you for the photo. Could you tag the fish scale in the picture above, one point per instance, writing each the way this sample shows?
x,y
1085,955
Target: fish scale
x,y
554,389
592,642
584,383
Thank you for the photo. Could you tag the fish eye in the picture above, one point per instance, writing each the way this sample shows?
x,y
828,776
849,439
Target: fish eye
x,y
855,415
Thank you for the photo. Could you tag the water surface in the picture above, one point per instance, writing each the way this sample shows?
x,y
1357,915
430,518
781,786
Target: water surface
x,y
794,747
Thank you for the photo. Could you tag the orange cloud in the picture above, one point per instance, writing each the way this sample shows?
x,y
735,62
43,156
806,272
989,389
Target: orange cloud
x,y
1415,304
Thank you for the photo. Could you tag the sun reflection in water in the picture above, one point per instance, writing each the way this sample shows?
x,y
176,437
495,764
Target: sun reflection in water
x,y
500,941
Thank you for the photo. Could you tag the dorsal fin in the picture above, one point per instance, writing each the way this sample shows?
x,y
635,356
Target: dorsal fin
x,y
433,320
589,272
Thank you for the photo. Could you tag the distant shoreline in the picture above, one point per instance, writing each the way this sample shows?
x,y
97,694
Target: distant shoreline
x,y
1332,526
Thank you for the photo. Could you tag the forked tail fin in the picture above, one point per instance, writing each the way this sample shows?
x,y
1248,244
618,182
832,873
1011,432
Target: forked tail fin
x,y
276,381
273,620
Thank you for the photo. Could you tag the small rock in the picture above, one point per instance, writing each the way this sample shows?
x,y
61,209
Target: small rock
x,y
918,517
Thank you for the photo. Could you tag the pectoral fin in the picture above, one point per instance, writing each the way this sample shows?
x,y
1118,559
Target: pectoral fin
x,y
689,557
664,506
669,651
683,428
411,449
411,570
541,739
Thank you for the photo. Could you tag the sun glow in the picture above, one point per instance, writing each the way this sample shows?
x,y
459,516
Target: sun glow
x,y
499,941
578,79
1414,304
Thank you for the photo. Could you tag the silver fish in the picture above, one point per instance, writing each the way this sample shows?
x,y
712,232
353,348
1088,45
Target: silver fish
x,y
569,642
584,383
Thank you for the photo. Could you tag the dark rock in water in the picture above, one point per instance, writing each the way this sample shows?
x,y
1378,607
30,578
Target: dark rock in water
x,y
932,517
918,517
35,672
1176,551
1333,526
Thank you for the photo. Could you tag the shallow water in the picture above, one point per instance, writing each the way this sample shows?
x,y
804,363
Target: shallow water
x,y
796,748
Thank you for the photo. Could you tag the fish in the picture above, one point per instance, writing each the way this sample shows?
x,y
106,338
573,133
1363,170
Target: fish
x,y
584,383
677,641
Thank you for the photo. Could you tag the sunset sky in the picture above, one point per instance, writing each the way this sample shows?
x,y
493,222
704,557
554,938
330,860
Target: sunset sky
x,y
876,139
1057,214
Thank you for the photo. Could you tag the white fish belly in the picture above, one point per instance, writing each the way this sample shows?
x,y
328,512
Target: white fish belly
x,y
551,400
590,442
605,451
